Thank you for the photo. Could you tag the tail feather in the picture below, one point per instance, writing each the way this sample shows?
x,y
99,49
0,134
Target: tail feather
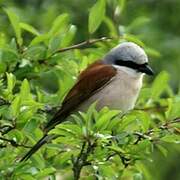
x,y
36,147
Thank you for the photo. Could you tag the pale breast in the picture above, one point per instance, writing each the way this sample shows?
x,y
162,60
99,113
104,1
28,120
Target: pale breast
x,y
121,93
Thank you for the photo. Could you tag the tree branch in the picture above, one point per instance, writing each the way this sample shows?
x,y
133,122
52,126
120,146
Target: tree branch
x,y
81,161
82,45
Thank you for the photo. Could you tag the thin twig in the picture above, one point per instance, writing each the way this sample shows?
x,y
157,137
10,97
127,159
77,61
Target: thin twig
x,y
14,143
6,128
176,120
165,126
110,156
49,109
154,108
141,136
82,45
125,160
4,102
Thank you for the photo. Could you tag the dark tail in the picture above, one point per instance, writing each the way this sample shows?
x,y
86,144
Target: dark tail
x,y
35,148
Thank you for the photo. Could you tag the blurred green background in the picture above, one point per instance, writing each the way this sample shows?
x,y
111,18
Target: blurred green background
x,y
155,22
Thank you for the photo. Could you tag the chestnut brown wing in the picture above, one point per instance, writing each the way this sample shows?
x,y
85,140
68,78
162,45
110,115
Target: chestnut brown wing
x,y
90,81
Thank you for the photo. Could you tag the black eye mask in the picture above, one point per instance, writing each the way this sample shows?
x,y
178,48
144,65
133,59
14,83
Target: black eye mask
x,y
144,68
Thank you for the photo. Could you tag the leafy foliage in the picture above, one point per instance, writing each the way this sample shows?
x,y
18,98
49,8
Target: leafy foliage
x,y
36,74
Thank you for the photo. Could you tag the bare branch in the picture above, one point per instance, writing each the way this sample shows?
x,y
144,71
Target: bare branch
x,y
176,120
82,45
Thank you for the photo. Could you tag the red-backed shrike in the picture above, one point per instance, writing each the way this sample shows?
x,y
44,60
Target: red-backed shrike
x,y
114,81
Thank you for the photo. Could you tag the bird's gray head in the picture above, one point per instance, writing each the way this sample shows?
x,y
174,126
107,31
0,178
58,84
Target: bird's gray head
x,y
130,55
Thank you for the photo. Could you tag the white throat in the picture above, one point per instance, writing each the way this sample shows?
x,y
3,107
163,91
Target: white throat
x,y
129,71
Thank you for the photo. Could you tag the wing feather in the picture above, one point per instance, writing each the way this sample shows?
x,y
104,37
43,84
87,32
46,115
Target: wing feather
x,y
90,81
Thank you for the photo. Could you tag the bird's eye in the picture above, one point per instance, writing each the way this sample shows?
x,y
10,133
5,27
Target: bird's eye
x,y
120,62
143,65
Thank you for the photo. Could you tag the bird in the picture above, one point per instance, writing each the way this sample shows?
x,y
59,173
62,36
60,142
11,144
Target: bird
x,y
113,81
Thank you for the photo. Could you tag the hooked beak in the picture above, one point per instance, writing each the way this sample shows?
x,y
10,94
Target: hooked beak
x,y
146,69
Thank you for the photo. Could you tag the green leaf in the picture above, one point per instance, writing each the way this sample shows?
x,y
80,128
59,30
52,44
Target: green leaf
x,y
39,39
66,129
45,172
173,108
3,39
138,22
8,56
34,53
144,119
89,118
3,67
30,126
38,161
68,37
116,149
13,45
152,52
104,119
17,135
107,172
159,84
138,176
162,149
11,81
111,27
68,140
96,15
15,106
26,176
133,38
14,19
122,4
29,28
171,138
54,44
25,90
64,158
59,23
